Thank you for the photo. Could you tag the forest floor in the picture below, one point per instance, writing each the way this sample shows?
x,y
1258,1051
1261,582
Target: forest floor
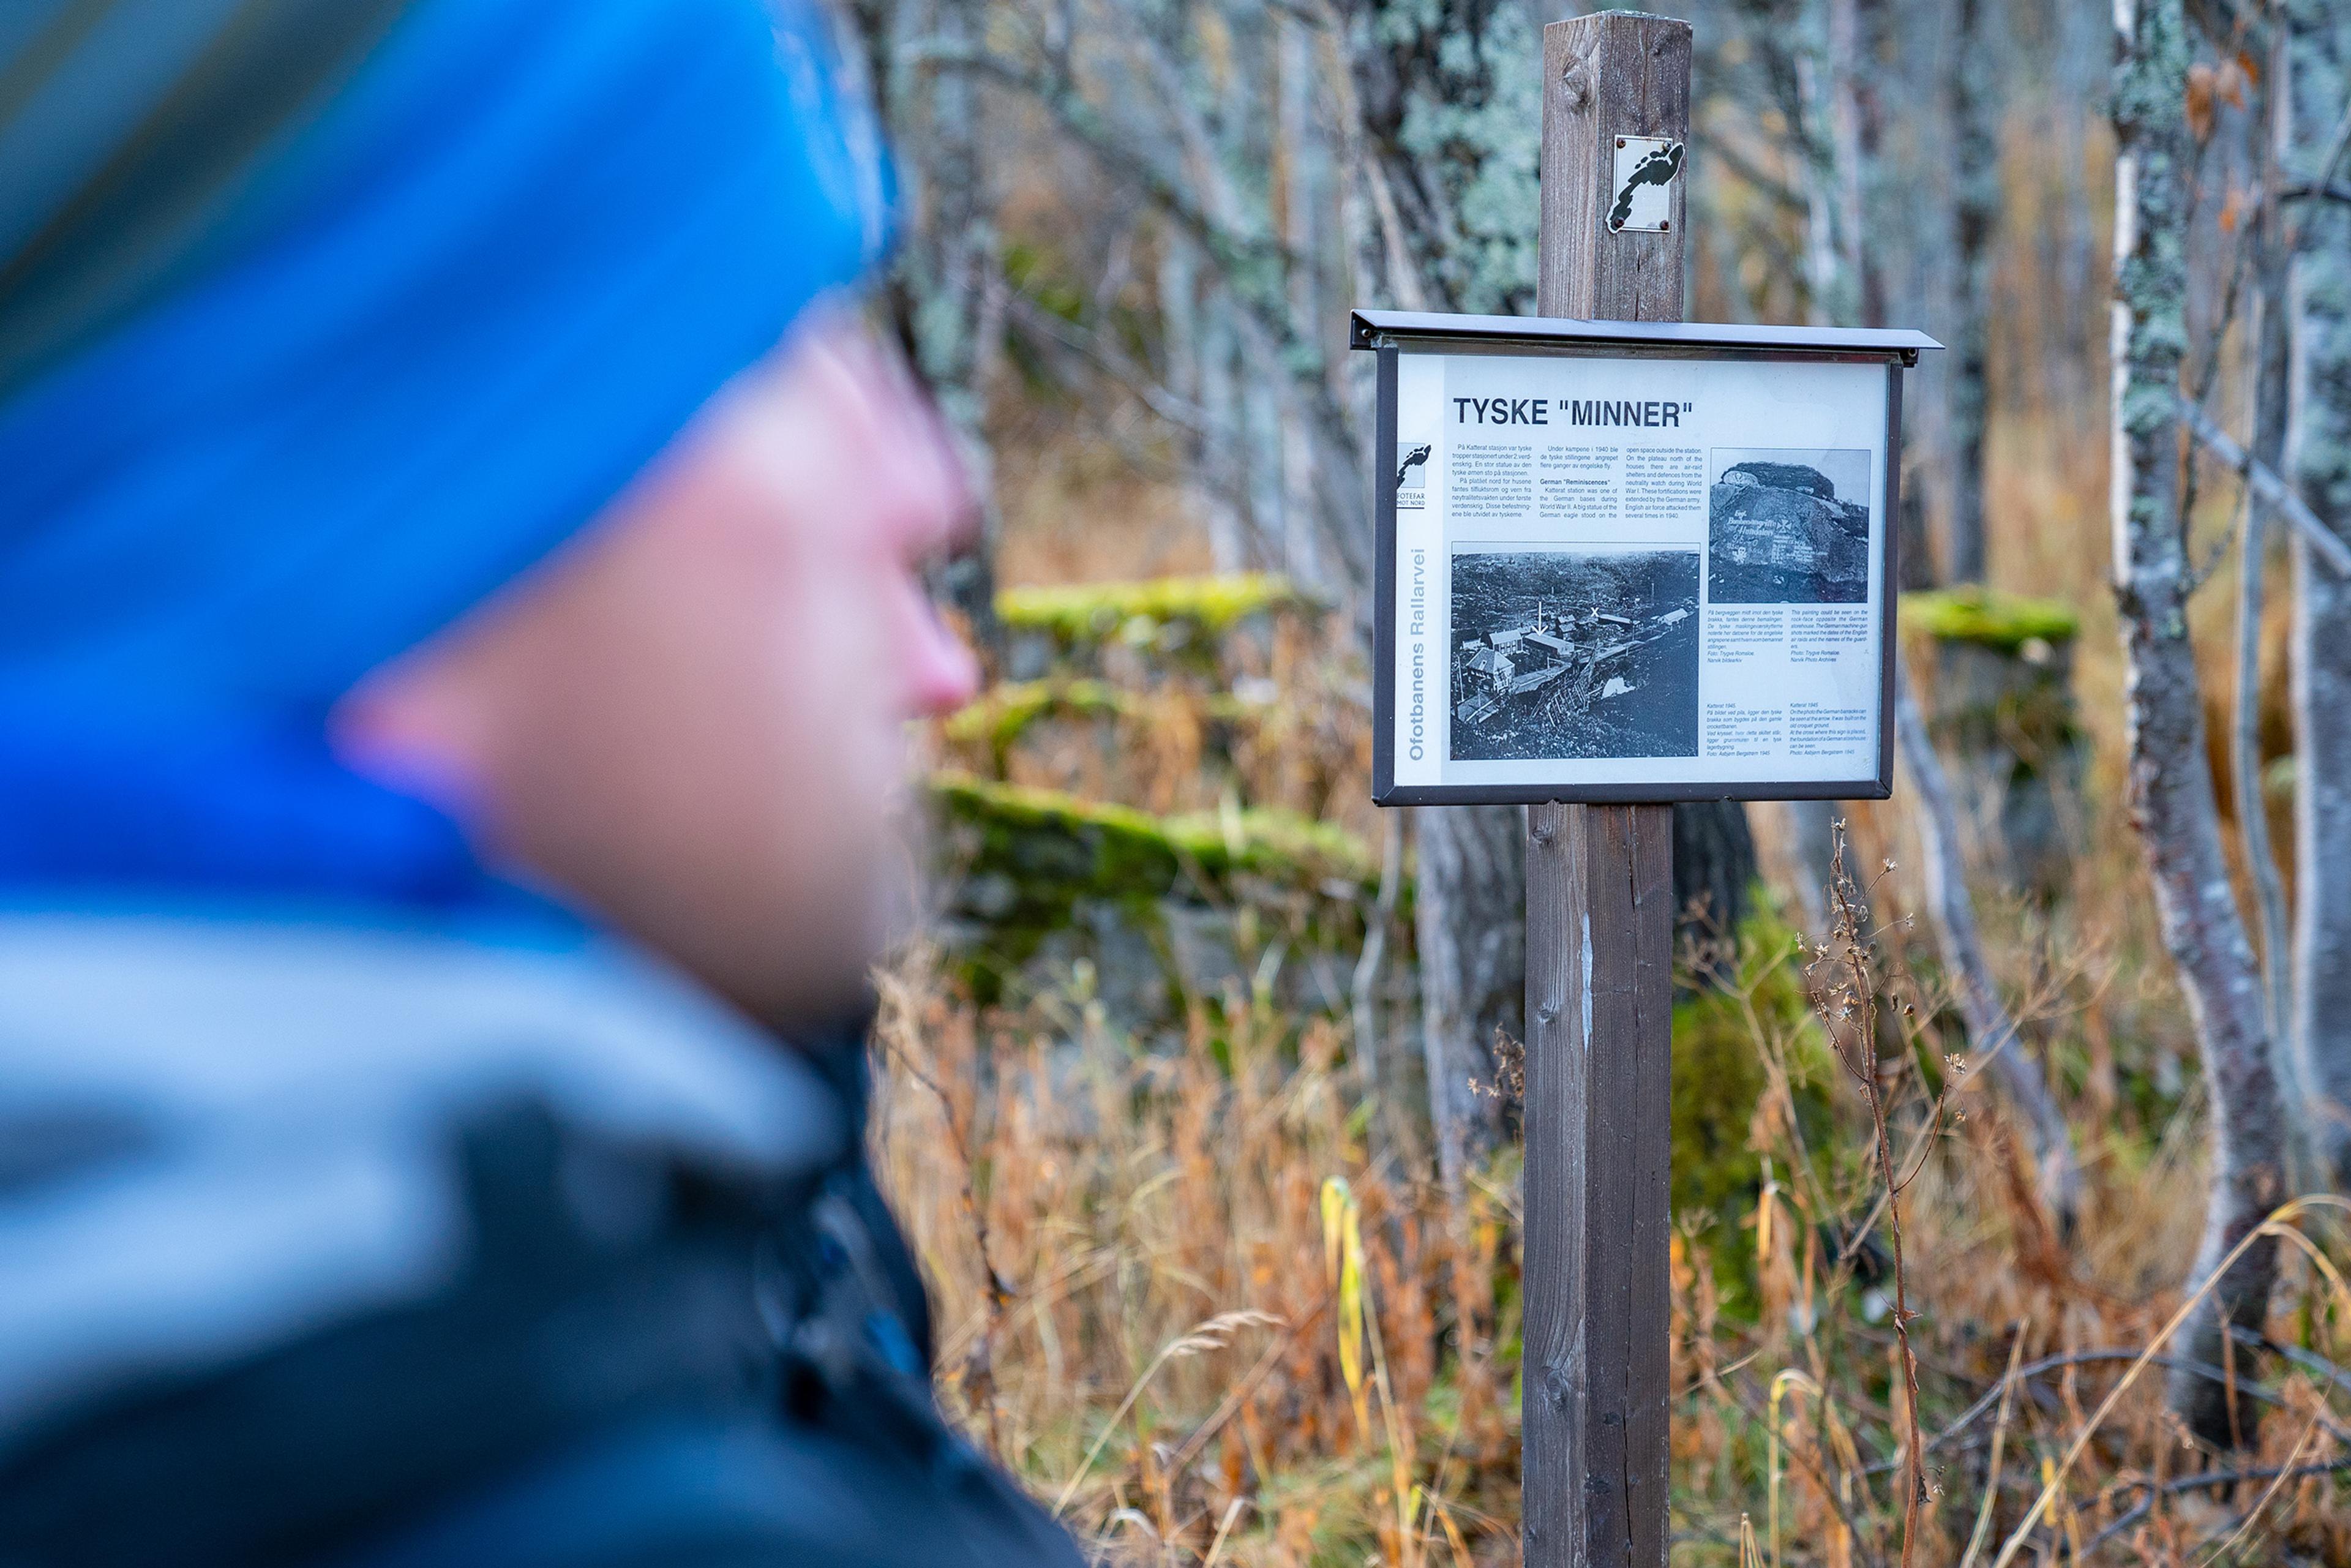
x,y
1198,1285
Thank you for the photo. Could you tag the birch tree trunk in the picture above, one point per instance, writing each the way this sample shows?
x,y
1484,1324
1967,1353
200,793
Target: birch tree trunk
x,y
2273,349
1221,453
1975,215
949,278
1447,111
2319,459
1305,160
1830,132
1246,121
2170,780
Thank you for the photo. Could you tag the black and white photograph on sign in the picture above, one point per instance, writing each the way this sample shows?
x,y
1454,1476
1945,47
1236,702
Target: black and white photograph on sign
x,y
1788,525
1566,654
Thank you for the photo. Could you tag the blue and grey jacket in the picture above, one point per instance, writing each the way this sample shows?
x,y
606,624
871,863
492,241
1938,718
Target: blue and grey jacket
x,y
369,1242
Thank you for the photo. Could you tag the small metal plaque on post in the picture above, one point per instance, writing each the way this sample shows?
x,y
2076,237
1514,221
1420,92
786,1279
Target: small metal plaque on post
x,y
1646,168
1633,561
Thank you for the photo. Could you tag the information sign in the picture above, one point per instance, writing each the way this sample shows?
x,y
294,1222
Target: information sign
x,y
1634,562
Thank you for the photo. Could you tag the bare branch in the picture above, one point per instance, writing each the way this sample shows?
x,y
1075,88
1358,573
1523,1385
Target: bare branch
x,y
2268,488
1746,170
2337,140
2207,1480
1254,261
1092,347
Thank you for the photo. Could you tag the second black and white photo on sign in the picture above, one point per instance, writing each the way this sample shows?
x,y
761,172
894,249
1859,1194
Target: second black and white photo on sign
x,y
1574,654
1788,525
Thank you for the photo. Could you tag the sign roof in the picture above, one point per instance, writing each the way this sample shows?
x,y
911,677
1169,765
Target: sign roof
x,y
1367,328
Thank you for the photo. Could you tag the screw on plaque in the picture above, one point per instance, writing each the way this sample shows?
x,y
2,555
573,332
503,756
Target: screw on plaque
x,y
1620,141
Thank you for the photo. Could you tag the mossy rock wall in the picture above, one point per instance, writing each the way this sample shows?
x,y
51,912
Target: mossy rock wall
x,y
1142,631
1085,736
2005,624
995,722
1159,908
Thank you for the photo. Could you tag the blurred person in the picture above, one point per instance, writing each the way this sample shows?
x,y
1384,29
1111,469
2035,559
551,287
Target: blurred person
x,y
459,608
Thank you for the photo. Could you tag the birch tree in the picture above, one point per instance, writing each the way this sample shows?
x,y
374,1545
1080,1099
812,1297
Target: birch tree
x,y
1805,58
2272,134
1824,73
1174,104
2170,782
947,289
1975,215
2318,88
1446,119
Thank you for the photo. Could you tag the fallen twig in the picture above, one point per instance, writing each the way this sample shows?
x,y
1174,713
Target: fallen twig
x,y
2209,1480
2047,1364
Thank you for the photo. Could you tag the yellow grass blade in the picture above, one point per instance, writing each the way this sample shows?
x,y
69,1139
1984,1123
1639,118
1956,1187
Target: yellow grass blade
x,y
1998,1437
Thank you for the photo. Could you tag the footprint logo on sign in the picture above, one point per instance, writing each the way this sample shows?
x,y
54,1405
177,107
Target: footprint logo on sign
x,y
1414,459
1657,169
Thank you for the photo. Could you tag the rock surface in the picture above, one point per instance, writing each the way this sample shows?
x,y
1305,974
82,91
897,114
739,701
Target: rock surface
x,y
1780,535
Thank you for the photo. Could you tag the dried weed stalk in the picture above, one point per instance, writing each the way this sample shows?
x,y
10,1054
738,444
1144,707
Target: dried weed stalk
x,y
1842,981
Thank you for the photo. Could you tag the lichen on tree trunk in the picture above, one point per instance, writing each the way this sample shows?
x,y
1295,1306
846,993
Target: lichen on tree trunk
x,y
2171,790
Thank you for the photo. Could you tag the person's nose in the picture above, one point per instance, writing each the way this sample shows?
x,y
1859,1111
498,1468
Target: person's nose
x,y
941,672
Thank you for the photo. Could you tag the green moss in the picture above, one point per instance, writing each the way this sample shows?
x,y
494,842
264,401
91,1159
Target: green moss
x,y
1036,861
1003,714
1280,846
1719,1077
1057,848
1155,611
2005,621
1041,277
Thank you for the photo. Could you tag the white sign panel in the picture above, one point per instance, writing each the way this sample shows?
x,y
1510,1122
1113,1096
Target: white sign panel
x,y
1636,577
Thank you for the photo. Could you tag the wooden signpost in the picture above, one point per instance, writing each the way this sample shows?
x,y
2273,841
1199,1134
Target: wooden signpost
x,y
1595,1413
1624,561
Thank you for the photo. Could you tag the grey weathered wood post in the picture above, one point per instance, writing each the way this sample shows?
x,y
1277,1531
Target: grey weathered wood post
x,y
1600,924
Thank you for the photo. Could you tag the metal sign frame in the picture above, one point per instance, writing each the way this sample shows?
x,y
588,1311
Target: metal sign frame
x,y
1389,334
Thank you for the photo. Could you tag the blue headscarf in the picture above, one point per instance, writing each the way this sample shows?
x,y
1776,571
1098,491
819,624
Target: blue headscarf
x,y
431,320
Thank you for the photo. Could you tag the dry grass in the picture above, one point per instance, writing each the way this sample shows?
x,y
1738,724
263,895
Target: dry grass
x,y
1159,1215
1163,1348
1146,1314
